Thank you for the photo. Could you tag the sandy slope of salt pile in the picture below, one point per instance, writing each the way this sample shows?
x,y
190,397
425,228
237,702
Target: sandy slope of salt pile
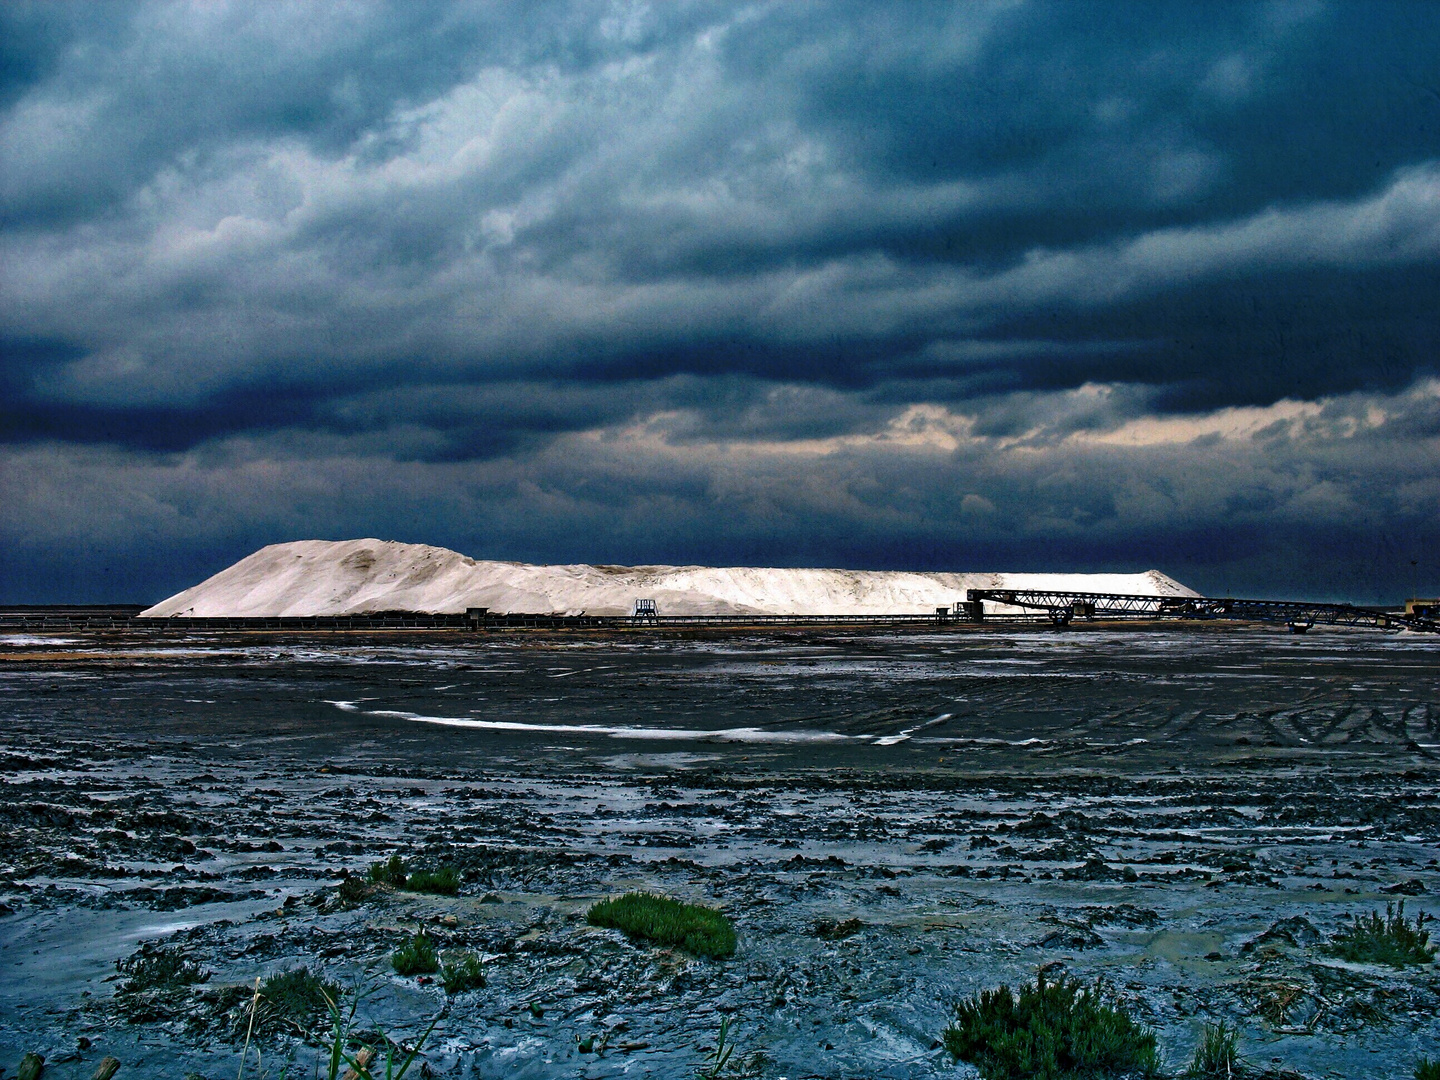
x,y
324,577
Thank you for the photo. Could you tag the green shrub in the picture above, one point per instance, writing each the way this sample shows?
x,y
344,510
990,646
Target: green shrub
x,y
299,996
1050,1031
391,872
699,930
1218,1054
155,967
1425,1069
461,973
416,957
445,881
1391,939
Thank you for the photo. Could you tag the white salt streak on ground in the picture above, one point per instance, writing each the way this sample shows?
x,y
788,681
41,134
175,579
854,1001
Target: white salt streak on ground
x,y
353,577
661,734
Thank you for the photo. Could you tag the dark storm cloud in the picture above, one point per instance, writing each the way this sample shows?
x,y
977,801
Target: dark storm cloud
x,y
458,236
1334,499
144,86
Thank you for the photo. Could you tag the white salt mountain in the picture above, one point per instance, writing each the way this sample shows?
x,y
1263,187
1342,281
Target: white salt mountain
x,y
351,577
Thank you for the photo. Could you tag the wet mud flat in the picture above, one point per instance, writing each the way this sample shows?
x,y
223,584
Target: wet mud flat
x,y
893,821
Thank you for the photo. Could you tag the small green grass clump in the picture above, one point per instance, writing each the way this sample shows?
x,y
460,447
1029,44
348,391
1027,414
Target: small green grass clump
x,y
390,872
394,873
155,967
1218,1054
1425,1069
1050,1031
699,930
461,973
299,996
416,957
1389,939
444,882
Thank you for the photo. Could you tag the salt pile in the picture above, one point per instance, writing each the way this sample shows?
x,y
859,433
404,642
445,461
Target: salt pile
x,y
351,577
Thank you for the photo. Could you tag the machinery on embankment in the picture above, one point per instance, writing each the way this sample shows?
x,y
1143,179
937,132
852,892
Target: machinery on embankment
x,y
1057,608
1062,608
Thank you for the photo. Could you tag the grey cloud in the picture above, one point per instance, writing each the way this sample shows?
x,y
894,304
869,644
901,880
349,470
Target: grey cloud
x,y
1352,477
459,261
533,320
121,91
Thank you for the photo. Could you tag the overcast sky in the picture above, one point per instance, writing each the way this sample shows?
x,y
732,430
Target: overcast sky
x,y
970,286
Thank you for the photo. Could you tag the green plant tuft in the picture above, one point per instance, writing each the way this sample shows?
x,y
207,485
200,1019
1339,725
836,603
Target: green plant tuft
x,y
155,967
445,881
416,957
298,996
1050,1031
1425,1069
363,1064
391,872
1389,939
720,1057
1218,1053
394,873
699,930
461,973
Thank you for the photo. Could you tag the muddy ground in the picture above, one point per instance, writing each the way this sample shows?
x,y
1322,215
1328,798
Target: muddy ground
x,y
894,820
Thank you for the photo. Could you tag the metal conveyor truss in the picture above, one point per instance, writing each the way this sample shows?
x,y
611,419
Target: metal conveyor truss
x,y
1062,607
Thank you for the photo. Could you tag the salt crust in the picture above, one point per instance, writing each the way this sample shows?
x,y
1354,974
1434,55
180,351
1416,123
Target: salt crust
x,y
326,577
